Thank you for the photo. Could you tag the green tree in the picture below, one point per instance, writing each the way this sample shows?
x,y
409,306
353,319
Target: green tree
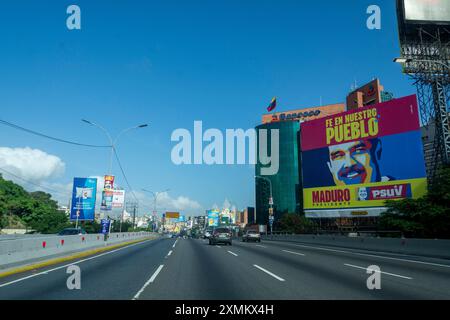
x,y
295,223
426,217
36,209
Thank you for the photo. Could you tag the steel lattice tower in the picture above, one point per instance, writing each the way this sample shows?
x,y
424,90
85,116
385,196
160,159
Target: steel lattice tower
x,y
427,63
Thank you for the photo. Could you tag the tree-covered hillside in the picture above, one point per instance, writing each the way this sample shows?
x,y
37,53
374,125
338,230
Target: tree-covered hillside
x,y
33,210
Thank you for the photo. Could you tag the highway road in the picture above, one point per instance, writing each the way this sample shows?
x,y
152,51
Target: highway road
x,y
190,269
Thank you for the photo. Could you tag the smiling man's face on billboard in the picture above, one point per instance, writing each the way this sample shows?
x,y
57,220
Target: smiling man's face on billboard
x,y
354,162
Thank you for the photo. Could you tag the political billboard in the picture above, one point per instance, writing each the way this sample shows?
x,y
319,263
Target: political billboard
x,y
83,199
105,226
213,218
107,199
107,193
363,157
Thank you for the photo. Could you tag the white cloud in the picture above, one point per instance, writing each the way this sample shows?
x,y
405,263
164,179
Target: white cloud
x,y
30,164
165,202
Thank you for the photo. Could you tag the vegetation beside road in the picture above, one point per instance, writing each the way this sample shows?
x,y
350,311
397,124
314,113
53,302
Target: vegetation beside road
x,y
29,210
37,211
426,217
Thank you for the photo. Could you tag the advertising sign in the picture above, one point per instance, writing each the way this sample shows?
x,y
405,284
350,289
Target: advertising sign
x,y
425,10
213,218
201,221
118,198
105,223
109,182
172,215
304,114
83,199
107,199
363,157
225,220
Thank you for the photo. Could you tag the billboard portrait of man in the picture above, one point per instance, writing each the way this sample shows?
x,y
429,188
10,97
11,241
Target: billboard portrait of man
x,y
356,162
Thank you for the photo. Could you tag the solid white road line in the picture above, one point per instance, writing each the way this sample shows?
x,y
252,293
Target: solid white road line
x,y
258,245
376,256
234,254
152,278
292,252
69,264
269,273
390,274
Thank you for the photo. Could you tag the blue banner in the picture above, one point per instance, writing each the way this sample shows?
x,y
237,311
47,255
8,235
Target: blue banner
x,y
105,223
83,199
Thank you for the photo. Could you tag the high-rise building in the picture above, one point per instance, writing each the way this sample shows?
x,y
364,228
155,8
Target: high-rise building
x,y
286,183
369,94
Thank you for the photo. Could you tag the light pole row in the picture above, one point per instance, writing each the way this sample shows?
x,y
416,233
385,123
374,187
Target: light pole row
x,y
113,143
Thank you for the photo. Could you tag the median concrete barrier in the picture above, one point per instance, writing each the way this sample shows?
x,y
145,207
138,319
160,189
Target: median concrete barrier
x,y
420,247
24,250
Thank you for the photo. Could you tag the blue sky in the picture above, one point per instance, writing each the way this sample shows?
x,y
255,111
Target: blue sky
x,y
169,63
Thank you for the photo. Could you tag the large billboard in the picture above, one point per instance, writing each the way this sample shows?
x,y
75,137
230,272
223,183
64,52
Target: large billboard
x,y
107,193
213,218
172,215
107,200
427,10
431,16
83,199
363,157
118,198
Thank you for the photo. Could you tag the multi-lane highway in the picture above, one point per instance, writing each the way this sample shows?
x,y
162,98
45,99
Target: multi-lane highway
x,y
187,269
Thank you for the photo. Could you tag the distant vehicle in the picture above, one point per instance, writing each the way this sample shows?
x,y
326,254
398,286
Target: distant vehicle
x,y
71,232
220,235
208,233
251,235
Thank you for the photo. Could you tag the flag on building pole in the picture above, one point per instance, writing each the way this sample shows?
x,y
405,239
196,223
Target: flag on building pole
x,y
273,105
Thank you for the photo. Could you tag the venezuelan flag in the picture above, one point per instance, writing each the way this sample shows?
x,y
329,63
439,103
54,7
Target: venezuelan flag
x,y
273,105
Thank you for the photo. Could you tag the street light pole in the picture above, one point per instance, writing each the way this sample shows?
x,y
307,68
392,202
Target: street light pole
x,y
155,198
270,201
111,141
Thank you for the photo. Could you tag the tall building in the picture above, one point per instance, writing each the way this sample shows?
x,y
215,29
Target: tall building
x,y
286,184
367,95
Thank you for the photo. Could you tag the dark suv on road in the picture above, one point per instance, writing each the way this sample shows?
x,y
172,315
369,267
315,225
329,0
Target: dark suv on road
x,y
220,235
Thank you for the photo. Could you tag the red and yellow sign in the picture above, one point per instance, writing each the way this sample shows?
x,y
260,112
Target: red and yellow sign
x,y
172,215
304,114
363,157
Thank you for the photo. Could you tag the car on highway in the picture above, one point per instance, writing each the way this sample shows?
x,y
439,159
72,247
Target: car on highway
x,y
220,235
251,235
207,233
72,232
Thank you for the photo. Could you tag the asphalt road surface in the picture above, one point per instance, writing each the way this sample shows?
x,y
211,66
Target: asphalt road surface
x,y
190,269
